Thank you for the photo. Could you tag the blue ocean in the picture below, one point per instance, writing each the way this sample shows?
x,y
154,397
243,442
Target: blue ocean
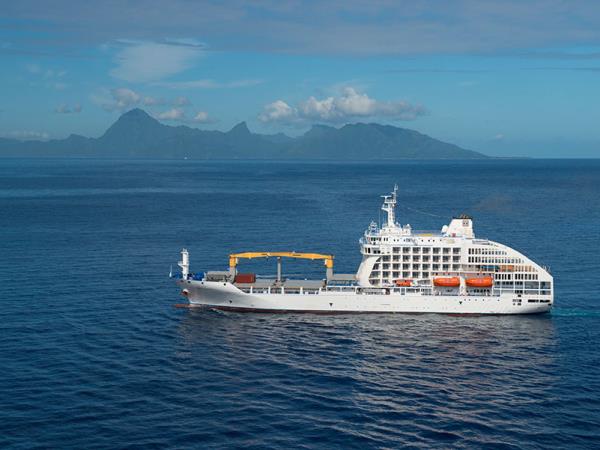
x,y
93,353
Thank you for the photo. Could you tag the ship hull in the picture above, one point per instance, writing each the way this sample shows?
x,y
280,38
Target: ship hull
x,y
226,296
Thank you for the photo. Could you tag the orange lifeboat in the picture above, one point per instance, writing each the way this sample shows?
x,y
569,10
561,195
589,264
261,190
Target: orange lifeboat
x,y
403,283
447,281
480,282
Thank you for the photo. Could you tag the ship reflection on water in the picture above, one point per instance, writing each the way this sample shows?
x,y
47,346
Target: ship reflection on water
x,y
378,375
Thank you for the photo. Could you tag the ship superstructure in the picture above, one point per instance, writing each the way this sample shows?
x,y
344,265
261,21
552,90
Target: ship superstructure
x,y
450,271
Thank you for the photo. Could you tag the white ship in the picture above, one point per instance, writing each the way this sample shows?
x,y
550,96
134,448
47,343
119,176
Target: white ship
x,y
449,272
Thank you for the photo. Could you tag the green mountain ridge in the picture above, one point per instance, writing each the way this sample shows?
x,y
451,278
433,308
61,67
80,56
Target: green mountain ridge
x,y
137,134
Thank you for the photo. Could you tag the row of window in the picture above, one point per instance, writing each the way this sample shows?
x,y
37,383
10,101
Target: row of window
x,y
418,258
486,251
426,250
447,267
529,286
503,276
389,276
526,276
414,272
387,266
491,260
521,284
418,250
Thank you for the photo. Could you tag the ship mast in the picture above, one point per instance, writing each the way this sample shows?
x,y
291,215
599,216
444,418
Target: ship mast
x,y
184,264
389,206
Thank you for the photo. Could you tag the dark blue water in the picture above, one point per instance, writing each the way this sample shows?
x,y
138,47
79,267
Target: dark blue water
x,y
94,355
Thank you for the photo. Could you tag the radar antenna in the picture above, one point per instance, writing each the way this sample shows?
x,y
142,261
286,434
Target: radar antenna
x,y
389,206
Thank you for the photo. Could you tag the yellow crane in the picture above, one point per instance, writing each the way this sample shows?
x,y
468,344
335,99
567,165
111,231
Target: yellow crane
x,y
234,259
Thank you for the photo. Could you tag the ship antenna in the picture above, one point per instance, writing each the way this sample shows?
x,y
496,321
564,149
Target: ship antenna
x,y
389,206
184,264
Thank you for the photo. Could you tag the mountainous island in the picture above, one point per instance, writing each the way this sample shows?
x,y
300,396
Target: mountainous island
x,y
138,135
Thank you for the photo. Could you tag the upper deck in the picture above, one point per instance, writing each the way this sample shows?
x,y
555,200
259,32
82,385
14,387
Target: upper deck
x,y
395,253
398,260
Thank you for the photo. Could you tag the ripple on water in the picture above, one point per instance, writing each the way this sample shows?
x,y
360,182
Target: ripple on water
x,y
93,355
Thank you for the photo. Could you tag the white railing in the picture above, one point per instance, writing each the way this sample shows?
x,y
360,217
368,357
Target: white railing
x,y
415,290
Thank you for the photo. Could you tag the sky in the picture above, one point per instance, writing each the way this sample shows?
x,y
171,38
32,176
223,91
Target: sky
x,y
507,78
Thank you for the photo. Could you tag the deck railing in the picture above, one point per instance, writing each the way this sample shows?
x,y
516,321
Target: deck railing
x,y
416,290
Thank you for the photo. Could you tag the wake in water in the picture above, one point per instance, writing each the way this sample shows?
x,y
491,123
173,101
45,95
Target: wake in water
x,y
574,312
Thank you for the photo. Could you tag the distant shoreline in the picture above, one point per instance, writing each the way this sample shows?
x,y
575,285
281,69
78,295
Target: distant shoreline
x,y
490,159
137,134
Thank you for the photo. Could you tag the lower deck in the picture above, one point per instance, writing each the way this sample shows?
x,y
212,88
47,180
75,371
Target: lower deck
x,y
224,295
316,287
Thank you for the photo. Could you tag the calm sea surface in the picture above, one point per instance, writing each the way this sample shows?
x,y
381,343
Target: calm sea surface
x,y
94,355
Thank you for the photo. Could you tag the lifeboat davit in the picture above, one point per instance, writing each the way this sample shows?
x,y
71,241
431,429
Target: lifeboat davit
x,y
404,283
447,281
480,282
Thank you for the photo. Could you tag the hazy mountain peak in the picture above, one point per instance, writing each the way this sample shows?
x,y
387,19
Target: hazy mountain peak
x,y
240,129
137,134
318,130
320,126
136,113
136,118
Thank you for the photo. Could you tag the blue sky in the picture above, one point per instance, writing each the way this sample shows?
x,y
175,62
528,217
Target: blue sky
x,y
502,77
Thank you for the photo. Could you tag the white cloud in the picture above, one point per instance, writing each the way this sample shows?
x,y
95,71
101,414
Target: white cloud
x,y
498,137
349,105
65,109
120,99
201,117
182,101
179,115
142,61
125,97
359,26
172,114
36,69
27,135
49,78
51,73
321,109
33,68
152,101
277,111
207,84
354,104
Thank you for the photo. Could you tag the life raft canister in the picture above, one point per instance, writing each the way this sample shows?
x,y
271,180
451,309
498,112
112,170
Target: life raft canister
x,y
480,282
447,281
